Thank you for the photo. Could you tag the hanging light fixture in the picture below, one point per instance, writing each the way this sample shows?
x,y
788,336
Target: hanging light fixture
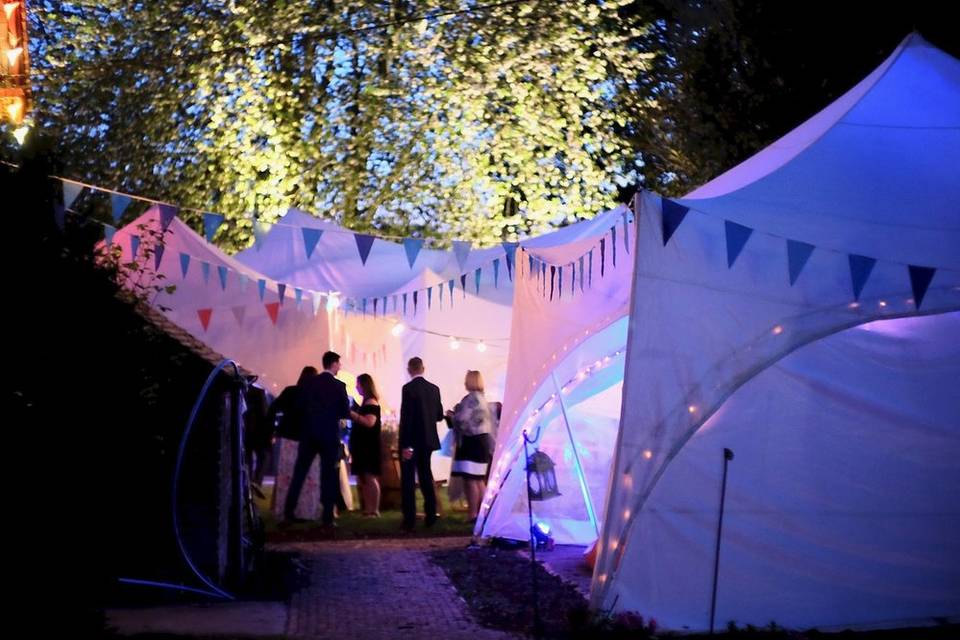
x,y
454,343
14,64
398,329
481,347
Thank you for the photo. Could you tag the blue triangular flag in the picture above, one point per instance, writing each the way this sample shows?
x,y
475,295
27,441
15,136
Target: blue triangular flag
x,y
559,282
118,203
553,276
363,306
673,215
134,245
496,272
310,239
463,284
404,304
415,302
797,255
626,233
375,305
167,214
412,246
613,243
581,274
394,303
261,287
543,275
860,268
573,278
737,236
440,288
71,191
364,244
920,278
590,274
429,297
211,223
451,285
281,290
530,259
476,279
108,231
603,256
298,293
157,256
222,272
205,269
184,264
461,249
510,249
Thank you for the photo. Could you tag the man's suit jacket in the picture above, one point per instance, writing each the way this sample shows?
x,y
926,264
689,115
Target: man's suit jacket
x,y
420,410
321,404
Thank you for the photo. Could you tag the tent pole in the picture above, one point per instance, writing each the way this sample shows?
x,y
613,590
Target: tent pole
x,y
727,457
576,457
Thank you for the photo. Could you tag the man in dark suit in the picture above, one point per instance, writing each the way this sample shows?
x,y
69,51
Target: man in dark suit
x,y
420,410
320,405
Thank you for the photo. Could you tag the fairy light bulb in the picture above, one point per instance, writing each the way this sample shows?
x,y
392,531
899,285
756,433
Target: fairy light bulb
x,y
13,55
481,346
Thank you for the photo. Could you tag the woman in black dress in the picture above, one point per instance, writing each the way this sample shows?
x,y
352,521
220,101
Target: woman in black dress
x,y
365,445
474,425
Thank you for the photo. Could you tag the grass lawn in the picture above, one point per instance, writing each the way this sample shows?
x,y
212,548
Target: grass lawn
x,y
353,525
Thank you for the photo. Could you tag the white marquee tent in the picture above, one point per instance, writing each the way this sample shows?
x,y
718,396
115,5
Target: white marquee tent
x,y
800,310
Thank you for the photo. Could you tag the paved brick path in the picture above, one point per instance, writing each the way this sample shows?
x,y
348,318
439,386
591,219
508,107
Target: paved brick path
x,y
380,589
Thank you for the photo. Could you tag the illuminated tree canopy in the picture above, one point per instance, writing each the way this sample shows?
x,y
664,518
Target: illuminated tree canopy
x,y
441,119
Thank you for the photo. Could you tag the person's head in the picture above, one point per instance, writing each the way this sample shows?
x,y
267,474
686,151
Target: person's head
x,y
331,362
415,367
473,381
308,372
366,388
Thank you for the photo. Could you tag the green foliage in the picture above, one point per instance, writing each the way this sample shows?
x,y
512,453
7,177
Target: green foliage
x,y
472,124
141,282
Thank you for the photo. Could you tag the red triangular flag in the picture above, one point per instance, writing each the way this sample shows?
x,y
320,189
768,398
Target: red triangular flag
x,y
205,317
273,308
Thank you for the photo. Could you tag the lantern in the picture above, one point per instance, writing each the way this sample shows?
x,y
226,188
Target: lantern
x,y
14,67
542,477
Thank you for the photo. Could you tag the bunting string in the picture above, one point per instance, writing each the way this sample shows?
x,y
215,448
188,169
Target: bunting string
x,y
797,252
